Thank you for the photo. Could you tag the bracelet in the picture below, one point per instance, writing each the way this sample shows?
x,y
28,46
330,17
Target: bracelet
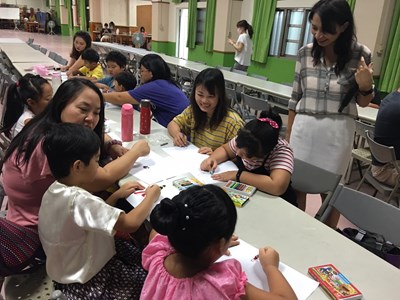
x,y
370,91
111,143
239,172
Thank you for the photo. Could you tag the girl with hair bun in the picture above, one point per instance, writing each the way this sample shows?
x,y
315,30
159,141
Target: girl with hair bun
x,y
243,46
196,228
263,158
26,98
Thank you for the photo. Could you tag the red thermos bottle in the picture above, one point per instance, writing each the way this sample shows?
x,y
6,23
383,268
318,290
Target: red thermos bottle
x,y
145,115
127,123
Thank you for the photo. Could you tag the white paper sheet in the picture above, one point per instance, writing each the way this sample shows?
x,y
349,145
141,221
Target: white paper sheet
x,y
302,285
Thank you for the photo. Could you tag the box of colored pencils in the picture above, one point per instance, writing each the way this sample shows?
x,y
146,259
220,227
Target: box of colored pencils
x,y
239,188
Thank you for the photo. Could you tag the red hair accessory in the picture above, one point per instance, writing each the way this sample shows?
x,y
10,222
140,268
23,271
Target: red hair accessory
x,y
17,83
270,122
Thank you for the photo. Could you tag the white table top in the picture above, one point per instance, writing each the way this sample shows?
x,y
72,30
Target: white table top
x,y
367,114
303,241
11,41
19,53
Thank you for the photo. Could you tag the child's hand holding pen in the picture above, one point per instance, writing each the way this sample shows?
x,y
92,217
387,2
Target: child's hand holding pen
x,y
268,257
209,164
129,188
180,140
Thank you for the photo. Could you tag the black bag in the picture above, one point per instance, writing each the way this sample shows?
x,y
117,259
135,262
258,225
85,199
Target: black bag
x,y
375,243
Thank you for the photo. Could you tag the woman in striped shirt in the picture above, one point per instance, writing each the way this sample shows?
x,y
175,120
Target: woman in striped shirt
x,y
264,159
208,122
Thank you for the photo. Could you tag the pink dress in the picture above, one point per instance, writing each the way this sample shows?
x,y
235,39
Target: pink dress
x,y
222,280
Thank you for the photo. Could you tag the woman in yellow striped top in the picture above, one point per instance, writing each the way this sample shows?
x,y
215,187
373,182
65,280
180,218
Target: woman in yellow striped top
x,y
208,122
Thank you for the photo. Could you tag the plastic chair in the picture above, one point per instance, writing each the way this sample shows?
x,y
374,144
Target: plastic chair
x,y
52,55
185,79
361,151
366,212
30,41
35,46
383,154
252,106
43,50
311,179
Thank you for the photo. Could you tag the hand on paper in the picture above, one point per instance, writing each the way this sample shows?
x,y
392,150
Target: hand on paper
x,y
180,140
268,257
128,188
142,147
225,176
209,164
205,150
234,241
153,192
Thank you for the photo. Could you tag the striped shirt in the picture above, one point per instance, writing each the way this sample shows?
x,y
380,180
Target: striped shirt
x,y
317,89
226,130
281,157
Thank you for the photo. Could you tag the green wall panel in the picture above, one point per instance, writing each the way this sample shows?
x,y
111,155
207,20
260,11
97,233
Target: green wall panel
x,y
211,58
167,48
280,70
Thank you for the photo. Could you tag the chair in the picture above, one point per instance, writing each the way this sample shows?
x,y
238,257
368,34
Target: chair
x,y
30,41
185,79
174,72
43,50
366,212
252,106
35,46
360,152
383,154
52,55
311,179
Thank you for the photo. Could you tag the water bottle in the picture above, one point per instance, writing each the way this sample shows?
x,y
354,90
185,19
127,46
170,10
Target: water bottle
x,y
145,115
127,123
55,81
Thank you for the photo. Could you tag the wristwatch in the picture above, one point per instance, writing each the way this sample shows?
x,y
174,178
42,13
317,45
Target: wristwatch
x,y
370,91
239,172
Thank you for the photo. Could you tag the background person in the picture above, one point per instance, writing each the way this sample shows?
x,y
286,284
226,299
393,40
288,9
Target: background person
x,y
243,46
81,42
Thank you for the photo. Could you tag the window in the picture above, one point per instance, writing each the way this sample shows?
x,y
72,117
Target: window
x,y
291,31
201,23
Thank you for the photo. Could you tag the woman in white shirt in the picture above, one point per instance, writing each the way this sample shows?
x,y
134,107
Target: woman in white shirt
x,y
243,46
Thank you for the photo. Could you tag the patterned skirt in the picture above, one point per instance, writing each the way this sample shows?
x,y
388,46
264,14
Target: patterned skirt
x,y
20,248
121,278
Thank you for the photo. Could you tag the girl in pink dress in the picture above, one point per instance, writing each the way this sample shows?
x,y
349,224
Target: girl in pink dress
x,y
197,228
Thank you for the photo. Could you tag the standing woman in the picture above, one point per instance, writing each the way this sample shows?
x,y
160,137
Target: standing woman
x,y
332,74
81,42
243,46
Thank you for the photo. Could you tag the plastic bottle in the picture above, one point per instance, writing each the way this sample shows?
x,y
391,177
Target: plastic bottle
x,y
127,123
145,115
55,81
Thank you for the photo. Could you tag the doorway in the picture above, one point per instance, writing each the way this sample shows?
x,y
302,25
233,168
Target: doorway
x,y
182,34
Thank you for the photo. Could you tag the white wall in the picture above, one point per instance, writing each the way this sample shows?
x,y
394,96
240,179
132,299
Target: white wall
x,y
116,11
29,3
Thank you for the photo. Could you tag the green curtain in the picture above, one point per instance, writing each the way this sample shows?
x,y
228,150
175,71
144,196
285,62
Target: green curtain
x,y
82,14
191,39
390,73
263,21
352,4
176,1
209,29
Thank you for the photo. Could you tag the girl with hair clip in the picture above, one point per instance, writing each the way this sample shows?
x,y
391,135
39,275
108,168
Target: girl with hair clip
x,y
263,158
332,75
209,122
196,228
81,42
76,101
157,84
243,46
26,98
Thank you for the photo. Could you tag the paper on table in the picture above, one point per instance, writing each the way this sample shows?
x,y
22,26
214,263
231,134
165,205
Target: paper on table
x,y
302,285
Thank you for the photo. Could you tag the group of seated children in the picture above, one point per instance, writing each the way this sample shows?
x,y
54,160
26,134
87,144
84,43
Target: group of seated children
x,y
195,228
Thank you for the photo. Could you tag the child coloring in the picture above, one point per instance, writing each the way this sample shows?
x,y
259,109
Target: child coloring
x,y
116,63
263,158
196,229
208,122
25,99
77,228
124,81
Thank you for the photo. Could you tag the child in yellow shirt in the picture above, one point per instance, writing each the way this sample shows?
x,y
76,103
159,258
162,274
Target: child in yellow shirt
x,y
92,70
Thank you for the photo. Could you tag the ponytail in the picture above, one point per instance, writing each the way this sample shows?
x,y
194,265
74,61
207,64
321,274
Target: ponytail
x,y
246,26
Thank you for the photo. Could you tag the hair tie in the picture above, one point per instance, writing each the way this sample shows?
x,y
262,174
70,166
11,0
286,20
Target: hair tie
x,y
270,122
17,84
